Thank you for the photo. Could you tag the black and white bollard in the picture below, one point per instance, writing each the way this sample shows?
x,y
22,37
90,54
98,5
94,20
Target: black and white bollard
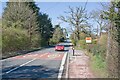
x,y
73,51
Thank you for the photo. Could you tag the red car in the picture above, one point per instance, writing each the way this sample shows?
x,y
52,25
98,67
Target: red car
x,y
59,47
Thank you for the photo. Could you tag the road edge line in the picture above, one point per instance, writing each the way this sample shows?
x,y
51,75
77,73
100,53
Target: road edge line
x,y
62,65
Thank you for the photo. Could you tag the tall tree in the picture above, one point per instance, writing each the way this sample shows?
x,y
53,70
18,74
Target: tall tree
x,y
58,34
33,6
118,31
101,23
16,16
113,15
45,27
21,15
76,17
73,38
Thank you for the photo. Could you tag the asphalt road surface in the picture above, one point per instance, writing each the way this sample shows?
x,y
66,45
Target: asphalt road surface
x,y
39,64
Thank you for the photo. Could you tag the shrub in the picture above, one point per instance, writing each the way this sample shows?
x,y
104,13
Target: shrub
x,y
14,39
98,66
52,42
90,47
94,41
98,46
97,49
83,35
82,43
103,45
74,42
103,40
36,41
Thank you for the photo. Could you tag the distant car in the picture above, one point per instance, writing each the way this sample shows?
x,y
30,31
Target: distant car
x,y
59,48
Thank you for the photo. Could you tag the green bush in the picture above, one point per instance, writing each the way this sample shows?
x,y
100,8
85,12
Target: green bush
x,y
96,49
74,42
94,41
36,41
103,43
52,42
82,35
14,39
82,43
90,47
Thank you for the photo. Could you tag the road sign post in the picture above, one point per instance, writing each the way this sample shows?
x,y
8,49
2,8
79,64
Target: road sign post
x,y
88,41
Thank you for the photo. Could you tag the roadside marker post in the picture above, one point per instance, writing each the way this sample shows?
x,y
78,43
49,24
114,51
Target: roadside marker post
x,y
73,51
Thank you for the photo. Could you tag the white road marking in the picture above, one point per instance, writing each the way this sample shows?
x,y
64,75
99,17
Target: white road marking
x,y
22,65
30,55
53,56
62,66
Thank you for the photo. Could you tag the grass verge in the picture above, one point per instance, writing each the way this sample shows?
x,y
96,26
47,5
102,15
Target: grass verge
x,y
98,67
96,64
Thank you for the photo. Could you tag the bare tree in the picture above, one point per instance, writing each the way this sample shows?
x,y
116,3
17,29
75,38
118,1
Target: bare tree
x,y
76,17
101,23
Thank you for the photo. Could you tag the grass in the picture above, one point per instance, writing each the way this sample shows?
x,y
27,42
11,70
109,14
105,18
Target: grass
x,y
78,48
98,67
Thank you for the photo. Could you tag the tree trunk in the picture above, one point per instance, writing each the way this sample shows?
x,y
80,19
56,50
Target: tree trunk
x,y
78,32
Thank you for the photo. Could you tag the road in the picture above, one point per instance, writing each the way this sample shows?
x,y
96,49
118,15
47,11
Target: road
x,y
39,64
